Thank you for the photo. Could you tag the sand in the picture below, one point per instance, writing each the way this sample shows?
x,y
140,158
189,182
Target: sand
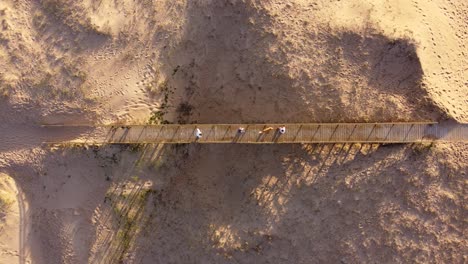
x,y
9,221
231,61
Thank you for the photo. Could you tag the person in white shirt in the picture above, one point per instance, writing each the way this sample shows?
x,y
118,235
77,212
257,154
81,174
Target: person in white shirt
x,y
282,129
198,133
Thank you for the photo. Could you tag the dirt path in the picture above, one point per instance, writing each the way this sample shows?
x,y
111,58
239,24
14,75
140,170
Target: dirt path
x,y
24,227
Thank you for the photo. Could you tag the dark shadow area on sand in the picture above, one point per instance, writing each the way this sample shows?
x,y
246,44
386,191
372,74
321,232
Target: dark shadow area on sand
x,y
231,66
294,203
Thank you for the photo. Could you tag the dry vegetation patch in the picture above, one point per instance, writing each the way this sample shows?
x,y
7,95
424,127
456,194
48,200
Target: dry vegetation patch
x,y
6,197
68,12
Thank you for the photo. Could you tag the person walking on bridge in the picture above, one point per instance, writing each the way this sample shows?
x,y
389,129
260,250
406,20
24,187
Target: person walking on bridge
x,y
198,133
282,129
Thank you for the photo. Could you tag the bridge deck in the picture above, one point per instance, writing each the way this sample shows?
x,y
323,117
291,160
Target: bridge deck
x,y
295,133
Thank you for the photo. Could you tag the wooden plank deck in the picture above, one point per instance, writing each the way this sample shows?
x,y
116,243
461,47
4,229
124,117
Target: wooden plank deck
x,y
295,133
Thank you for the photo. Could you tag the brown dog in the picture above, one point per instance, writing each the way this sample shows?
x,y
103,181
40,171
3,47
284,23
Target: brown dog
x,y
266,130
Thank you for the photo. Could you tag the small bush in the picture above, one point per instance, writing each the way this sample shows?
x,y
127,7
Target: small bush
x,y
4,92
422,147
70,13
39,20
156,118
136,147
184,111
5,204
7,84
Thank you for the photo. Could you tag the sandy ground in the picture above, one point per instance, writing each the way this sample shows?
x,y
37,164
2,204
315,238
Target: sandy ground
x,y
231,61
9,220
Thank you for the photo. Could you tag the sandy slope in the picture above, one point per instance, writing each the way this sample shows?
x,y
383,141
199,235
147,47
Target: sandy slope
x,y
310,204
9,221
233,61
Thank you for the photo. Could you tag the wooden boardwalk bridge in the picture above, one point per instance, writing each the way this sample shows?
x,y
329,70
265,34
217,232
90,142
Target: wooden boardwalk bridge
x,y
295,133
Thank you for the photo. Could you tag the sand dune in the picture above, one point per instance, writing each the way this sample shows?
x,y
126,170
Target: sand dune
x,y
231,61
10,239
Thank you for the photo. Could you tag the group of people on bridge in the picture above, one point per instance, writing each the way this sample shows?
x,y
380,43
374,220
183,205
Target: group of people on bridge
x,y
241,130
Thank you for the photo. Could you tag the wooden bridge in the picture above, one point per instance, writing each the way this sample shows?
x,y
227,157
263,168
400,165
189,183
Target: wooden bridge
x,y
295,133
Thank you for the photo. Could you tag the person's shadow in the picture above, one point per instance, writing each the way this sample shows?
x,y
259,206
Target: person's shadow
x,y
276,136
238,136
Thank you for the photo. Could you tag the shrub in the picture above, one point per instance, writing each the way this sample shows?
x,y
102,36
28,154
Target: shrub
x,y
422,147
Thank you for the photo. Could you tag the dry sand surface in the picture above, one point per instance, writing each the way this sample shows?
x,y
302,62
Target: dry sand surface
x,y
231,61
9,221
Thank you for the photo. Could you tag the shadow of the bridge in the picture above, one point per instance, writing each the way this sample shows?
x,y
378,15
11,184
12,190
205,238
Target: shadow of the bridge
x,y
125,204
217,202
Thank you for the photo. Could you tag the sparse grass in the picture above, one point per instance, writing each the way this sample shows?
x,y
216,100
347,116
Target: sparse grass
x,y
66,82
157,117
5,87
135,178
158,163
129,56
44,82
176,69
39,20
156,86
129,217
5,204
184,111
75,72
135,147
161,84
4,91
422,147
68,12
43,87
